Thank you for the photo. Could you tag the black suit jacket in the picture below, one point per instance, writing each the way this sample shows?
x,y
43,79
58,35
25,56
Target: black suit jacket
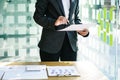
x,y
46,13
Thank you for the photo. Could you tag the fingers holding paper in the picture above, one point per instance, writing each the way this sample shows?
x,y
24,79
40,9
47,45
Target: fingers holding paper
x,y
84,32
61,20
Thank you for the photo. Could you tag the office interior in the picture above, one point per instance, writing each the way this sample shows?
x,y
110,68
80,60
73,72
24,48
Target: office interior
x,y
19,34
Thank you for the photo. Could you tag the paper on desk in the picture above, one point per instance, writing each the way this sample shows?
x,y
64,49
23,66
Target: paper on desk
x,y
118,73
76,27
20,72
35,67
62,71
1,74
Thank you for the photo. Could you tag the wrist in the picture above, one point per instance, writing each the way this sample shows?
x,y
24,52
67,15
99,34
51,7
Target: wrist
x,y
86,35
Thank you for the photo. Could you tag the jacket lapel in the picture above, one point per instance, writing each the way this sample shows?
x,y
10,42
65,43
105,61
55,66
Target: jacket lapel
x,y
61,7
71,10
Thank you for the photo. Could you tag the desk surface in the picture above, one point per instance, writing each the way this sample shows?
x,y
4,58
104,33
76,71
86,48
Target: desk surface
x,y
86,69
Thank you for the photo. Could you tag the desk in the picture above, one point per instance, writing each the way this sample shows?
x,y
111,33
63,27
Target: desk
x,y
86,69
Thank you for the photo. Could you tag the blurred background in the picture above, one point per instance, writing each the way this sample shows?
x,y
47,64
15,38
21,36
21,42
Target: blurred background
x,y
19,34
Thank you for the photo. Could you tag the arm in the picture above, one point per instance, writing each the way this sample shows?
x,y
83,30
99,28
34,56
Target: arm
x,y
77,19
39,15
85,31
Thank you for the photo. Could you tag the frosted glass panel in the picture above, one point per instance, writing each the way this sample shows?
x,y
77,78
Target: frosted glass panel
x,y
101,48
33,1
93,2
17,28
22,41
22,19
22,30
22,52
1,30
1,18
97,2
11,8
11,52
33,30
21,7
34,52
1,43
113,2
11,42
31,7
10,30
118,37
10,19
1,52
33,41
119,2
93,14
90,2
85,14
102,2
113,20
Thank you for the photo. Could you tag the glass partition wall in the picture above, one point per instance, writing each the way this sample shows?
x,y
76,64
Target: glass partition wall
x,y
118,45
19,34
102,47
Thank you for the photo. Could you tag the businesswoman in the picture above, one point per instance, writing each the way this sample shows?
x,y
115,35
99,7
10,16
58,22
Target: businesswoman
x,y
53,15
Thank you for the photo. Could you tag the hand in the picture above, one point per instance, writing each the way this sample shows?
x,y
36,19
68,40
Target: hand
x,y
61,20
83,32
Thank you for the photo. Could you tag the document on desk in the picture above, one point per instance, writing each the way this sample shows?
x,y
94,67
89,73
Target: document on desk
x,y
27,72
1,74
75,27
62,71
118,73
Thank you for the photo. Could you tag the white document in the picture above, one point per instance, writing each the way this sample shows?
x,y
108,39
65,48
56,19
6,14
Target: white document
x,y
1,74
35,67
26,73
76,27
118,73
62,71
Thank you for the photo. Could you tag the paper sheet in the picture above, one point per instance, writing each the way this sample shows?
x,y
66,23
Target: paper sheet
x,y
35,67
76,27
118,73
1,74
26,73
62,71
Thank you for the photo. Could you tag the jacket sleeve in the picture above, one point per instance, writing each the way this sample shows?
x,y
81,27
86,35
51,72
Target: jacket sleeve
x,y
40,15
77,19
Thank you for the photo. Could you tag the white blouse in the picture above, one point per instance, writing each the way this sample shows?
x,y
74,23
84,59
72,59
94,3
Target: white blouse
x,y
66,6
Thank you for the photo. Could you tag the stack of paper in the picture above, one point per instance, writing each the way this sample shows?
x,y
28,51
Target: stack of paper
x,y
33,72
26,72
62,71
